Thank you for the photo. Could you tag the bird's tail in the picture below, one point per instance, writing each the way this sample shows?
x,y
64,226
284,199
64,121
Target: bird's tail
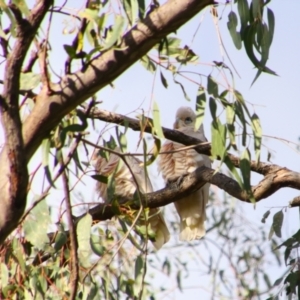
x,y
159,227
192,228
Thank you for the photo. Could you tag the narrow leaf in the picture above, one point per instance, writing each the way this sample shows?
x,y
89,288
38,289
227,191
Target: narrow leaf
x,y
156,121
243,9
100,178
277,223
246,172
218,132
232,27
134,11
141,5
200,107
148,64
163,80
29,81
36,225
83,237
257,132
183,90
213,107
271,23
212,87
70,51
116,32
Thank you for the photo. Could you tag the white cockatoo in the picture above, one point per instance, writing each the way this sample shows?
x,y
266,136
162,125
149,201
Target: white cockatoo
x,y
191,209
126,182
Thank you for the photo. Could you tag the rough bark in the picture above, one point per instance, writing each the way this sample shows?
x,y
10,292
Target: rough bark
x,y
13,162
51,106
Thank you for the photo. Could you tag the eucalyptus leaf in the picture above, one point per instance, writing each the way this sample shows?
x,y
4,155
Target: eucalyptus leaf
x,y
277,223
156,121
29,81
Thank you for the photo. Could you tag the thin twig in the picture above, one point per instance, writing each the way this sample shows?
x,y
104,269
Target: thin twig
x,y
74,274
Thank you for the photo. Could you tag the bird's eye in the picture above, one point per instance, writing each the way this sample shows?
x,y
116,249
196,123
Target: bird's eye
x,y
188,120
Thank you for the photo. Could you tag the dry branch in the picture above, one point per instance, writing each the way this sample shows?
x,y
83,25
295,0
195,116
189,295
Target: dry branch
x,y
272,182
13,162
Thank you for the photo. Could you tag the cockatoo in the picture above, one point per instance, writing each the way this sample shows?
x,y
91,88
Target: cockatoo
x,y
126,182
191,209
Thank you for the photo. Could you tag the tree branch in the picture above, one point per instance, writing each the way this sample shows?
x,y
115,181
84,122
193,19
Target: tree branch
x,y
175,191
76,88
173,135
73,238
14,174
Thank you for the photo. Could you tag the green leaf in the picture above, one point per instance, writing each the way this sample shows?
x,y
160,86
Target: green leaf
x,y
29,81
155,151
169,46
93,292
178,279
183,90
271,23
245,167
212,87
200,107
13,25
240,113
45,151
218,132
70,50
232,25
100,178
243,9
156,121
256,9
21,4
116,32
89,14
267,281
287,253
277,223
230,114
134,11
139,266
36,225
213,107
278,281
148,64
230,118
122,141
166,267
4,275
257,132
271,233
18,253
141,5
249,42
163,80
60,240
233,170
96,245
83,237
265,216
45,147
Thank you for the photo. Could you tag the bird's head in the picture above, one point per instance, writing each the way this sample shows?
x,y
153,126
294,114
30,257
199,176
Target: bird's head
x,y
185,118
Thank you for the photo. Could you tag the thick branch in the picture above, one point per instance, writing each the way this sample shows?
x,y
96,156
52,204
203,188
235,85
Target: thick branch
x,y
174,135
192,182
76,88
14,174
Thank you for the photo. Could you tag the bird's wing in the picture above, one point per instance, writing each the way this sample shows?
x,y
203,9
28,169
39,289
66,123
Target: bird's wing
x,y
128,176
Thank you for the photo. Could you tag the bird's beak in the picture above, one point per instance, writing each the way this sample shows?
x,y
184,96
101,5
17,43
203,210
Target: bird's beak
x,y
176,124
